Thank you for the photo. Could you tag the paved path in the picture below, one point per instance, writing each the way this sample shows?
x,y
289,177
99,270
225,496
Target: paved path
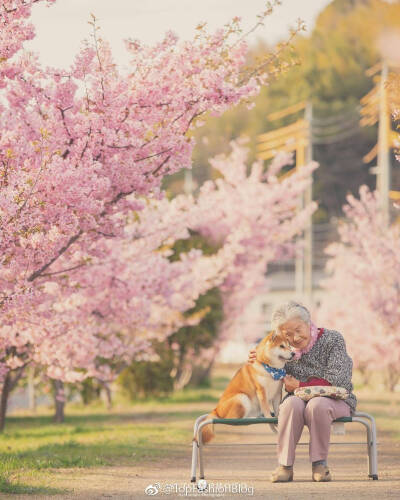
x,y
245,466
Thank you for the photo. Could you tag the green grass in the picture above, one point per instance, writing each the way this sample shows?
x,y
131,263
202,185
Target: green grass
x,y
37,445
32,447
19,488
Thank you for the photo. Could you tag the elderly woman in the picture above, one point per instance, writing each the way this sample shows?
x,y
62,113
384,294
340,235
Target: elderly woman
x,y
320,359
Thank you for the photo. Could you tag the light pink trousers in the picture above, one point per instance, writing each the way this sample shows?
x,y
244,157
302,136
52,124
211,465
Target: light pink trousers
x,y
317,414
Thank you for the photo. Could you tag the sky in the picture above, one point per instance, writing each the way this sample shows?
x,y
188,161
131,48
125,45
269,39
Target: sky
x,y
61,28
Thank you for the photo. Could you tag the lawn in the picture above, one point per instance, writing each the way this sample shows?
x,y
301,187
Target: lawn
x,y
33,447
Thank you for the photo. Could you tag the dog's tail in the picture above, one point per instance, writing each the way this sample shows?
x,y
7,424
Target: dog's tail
x,y
207,432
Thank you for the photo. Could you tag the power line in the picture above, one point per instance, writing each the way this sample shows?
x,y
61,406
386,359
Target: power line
x,y
336,138
337,117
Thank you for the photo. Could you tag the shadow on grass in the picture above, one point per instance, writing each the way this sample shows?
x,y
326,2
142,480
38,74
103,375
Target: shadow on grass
x,y
182,398
6,486
35,421
84,423
74,454
55,430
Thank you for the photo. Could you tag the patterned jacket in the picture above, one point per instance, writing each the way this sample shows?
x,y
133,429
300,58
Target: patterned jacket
x,y
327,359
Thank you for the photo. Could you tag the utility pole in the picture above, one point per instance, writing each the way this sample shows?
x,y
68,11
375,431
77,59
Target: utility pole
x,y
383,170
188,181
300,259
304,262
295,137
308,196
376,110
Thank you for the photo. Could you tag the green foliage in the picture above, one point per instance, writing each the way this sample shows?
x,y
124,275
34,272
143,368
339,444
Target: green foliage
x,y
203,335
90,390
196,241
144,379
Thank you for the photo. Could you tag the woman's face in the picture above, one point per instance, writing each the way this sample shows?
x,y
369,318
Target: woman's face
x,y
297,332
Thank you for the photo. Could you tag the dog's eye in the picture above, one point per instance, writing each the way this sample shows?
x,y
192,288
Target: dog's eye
x,y
282,345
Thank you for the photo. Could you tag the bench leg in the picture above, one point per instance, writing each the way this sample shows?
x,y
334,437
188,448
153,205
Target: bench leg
x,y
194,462
371,444
374,450
195,447
201,462
200,441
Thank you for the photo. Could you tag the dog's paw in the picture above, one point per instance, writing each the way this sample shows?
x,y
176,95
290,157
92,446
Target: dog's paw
x,y
274,428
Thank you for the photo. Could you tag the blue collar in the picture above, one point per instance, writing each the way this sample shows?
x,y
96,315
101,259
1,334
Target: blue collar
x,y
277,373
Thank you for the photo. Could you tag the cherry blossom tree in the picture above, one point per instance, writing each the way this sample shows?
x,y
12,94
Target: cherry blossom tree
x,y
82,156
363,291
84,147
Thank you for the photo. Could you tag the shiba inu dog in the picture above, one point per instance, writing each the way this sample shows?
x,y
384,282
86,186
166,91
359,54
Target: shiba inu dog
x,y
255,388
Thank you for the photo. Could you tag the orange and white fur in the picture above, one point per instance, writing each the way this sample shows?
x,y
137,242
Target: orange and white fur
x,y
252,389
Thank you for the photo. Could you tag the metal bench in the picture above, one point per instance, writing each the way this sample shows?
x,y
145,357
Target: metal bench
x,y
365,419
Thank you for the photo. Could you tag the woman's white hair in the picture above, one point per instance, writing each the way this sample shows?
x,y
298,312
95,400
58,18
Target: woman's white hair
x,y
289,310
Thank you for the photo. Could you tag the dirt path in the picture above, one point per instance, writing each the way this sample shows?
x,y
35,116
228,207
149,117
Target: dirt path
x,y
245,466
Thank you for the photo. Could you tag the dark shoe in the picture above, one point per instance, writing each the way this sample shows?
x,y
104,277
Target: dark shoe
x,y
321,473
282,475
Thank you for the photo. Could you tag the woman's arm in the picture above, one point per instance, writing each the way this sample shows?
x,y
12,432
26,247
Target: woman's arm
x,y
339,367
292,383
314,381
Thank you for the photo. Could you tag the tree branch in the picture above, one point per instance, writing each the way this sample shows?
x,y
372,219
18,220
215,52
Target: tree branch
x,y
72,240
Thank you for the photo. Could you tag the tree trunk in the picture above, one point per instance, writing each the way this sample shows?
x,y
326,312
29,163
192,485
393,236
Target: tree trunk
x,y
392,377
179,367
59,405
201,372
5,392
365,374
31,388
8,385
108,393
183,378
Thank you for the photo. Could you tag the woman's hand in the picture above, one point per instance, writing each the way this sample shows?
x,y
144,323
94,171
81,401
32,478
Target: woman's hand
x,y
291,383
252,356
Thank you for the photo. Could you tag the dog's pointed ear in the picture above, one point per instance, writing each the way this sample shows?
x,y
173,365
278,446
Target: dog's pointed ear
x,y
274,334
